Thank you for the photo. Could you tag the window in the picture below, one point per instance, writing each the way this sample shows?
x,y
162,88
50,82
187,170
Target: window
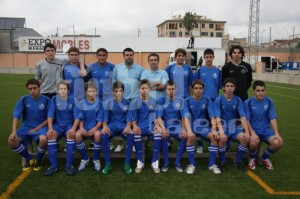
x,y
220,27
204,33
211,25
219,34
203,25
196,25
180,34
180,25
172,34
211,34
186,34
173,26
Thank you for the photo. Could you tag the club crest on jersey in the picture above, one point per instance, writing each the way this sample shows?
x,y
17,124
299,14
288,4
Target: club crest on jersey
x,y
42,106
186,73
70,106
234,107
243,71
151,107
266,107
215,75
106,73
203,106
125,108
177,106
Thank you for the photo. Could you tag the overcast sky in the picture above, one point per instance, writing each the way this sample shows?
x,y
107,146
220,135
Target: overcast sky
x,y
112,18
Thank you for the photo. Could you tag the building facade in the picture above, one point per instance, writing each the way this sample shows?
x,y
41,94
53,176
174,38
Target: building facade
x,y
204,27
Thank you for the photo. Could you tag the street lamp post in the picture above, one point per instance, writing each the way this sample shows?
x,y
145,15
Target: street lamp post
x,y
261,41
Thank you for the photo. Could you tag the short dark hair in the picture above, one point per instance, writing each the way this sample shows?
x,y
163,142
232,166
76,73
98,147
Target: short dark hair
x,y
180,50
229,80
102,50
32,82
153,55
170,83
117,85
73,49
236,47
197,81
49,45
90,84
127,50
208,51
144,81
258,83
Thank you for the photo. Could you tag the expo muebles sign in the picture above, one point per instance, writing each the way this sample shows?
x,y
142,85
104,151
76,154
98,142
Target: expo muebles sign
x,y
36,44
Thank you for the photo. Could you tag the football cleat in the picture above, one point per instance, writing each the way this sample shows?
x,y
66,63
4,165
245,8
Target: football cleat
x,y
240,166
139,167
215,169
28,164
191,169
37,165
97,165
268,164
127,169
155,167
252,163
83,164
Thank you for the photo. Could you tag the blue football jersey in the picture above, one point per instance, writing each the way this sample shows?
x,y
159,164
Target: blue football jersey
x,y
228,110
144,113
259,113
72,74
32,111
172,111
116,113
200,110
212,79
102,77
91,113
63,112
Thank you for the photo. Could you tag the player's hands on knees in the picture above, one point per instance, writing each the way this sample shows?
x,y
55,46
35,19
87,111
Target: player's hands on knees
x,y
91,132
223,137
136,130
82,131
183,134
278,140
50,133
165,134
254,140
71,134
105,130
12,137
245,138
215,135
127,130
157,129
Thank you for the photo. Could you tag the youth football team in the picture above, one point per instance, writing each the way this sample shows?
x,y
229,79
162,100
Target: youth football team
x,y
189,107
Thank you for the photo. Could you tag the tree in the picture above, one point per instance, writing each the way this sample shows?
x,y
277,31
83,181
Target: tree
x,y
189,21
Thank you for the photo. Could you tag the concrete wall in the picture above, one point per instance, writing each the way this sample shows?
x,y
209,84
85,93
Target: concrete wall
x,y
278,78
25,62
